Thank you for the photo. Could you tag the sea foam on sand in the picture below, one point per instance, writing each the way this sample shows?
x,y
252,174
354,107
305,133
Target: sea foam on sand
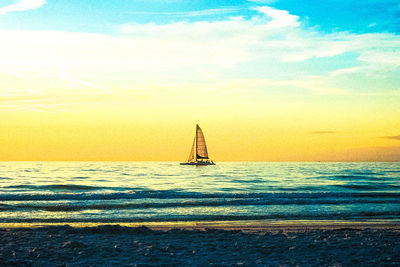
x,y
117,245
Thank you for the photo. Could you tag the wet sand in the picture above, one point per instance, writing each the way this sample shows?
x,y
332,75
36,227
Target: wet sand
x,y
202,243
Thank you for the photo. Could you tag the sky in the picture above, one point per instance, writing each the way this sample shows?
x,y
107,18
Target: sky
x,y
127,80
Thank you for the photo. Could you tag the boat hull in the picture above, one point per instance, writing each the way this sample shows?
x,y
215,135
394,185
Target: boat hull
x,y
199,163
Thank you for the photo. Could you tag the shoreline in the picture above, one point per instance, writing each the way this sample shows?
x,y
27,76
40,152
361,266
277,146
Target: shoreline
x,y
245,226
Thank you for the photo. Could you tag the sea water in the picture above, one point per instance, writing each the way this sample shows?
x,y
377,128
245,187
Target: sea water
x,y
50,192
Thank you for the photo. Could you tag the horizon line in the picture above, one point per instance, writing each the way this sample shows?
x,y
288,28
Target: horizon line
x,y
228,161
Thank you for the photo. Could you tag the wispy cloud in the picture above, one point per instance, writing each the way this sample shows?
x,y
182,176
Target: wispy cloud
x,y
195,13
280,18
64,75
323,132
393,137
262,1
22,5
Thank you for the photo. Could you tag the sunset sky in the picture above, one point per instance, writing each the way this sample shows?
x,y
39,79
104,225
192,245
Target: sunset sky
x,y
283,80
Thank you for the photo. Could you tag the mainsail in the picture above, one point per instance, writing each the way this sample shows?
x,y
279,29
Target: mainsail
x,y
199,147
201,144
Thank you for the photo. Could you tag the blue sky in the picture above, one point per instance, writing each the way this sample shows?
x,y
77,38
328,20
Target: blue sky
x,y
103,16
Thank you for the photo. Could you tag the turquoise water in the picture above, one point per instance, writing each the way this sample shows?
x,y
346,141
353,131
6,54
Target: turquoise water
x,y
154,191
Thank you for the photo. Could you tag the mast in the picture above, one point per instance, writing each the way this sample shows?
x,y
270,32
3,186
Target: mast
x,y
195,144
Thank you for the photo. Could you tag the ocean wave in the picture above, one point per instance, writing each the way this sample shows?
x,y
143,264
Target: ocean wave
x,y
349,216
60,207
353,177
366,172
374,186
248,181
173,194
308,189
69,187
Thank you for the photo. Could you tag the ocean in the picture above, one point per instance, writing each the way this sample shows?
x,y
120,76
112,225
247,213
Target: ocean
x,y
123,192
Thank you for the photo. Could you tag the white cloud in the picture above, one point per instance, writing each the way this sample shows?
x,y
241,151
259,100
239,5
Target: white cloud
x,y
348,71
382,58
196,13
196,54
151,50
22,5
280,18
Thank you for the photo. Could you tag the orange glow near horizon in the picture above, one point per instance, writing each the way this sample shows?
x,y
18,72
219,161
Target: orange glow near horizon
x,y
167,136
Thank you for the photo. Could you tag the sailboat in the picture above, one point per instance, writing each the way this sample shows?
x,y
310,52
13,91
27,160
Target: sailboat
x,y
198,153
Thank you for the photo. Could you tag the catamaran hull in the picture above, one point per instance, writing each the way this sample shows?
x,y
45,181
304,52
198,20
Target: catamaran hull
x,y
197,163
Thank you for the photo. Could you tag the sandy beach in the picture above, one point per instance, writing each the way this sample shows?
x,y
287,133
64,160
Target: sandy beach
x,y
274,245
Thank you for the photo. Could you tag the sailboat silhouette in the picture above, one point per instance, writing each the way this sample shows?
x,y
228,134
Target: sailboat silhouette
x,y
199,154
